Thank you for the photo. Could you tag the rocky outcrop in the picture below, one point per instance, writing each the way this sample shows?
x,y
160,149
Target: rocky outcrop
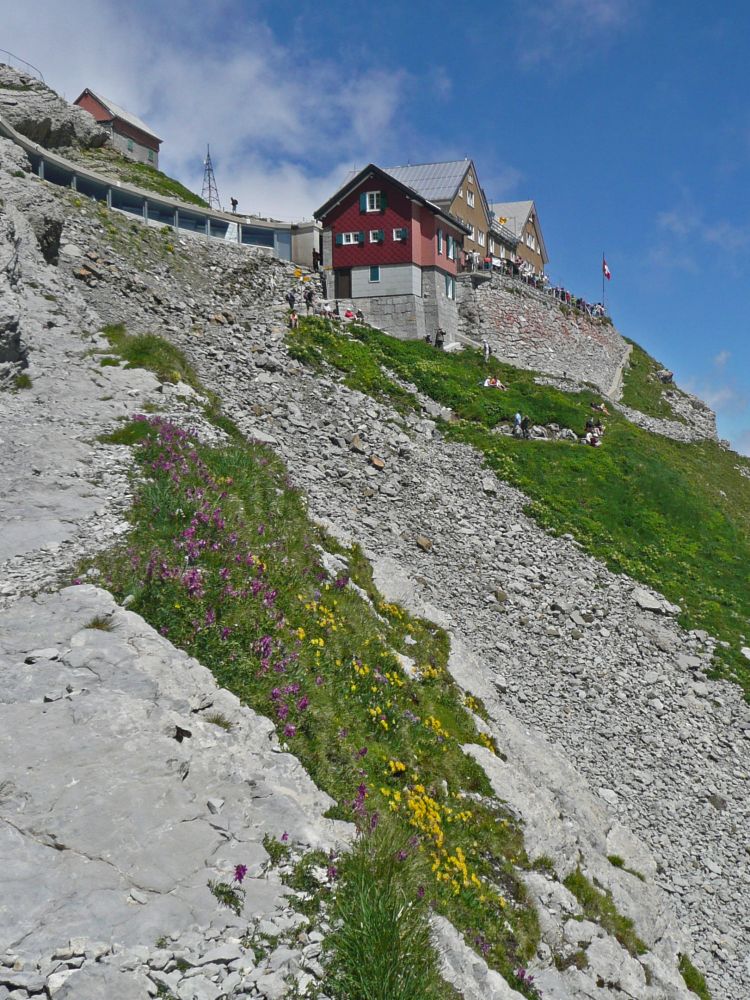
x,y
41,115
530,329
130,781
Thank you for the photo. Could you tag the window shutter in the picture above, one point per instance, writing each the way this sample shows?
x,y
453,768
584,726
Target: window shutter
x,y
447,285
380,237
383,201
404,234
363,202
360,237
339,239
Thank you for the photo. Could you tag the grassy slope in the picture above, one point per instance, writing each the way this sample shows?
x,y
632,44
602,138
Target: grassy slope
x,y
252,603
676,516
110,162
641,390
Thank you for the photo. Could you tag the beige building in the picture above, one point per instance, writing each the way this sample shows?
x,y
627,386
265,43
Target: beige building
x,y
521,220
453,186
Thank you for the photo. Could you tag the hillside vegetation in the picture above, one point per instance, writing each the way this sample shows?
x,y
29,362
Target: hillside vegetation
x,y
223,560
675,516
109,162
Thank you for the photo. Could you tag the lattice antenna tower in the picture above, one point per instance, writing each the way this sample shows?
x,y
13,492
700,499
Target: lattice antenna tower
x,y
210,192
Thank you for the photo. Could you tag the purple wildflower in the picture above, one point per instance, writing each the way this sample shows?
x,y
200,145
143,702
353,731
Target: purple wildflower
x,y
240,872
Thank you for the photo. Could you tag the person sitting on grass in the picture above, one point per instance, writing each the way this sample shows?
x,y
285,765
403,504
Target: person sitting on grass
x,y
494,383
293,320
600,408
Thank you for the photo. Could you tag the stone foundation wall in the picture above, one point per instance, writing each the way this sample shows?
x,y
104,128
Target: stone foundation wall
x,y
528,328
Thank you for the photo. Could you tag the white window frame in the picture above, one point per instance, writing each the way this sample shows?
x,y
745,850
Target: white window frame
x,y
370,278
373,201
451,249
440,242
396,237
349,239
373,236
470,235
480,237
460,192
470,199
470,179
450,287
491,244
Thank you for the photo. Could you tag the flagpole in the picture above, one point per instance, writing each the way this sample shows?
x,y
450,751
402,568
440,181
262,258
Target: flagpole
x,y
603,303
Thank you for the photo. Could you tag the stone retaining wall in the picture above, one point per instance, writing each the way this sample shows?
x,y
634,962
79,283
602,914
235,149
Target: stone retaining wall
x,y
527,328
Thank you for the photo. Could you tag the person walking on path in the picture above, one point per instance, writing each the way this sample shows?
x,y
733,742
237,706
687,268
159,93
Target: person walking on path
x,y
525,426
486,350
290,298
308,297
517,424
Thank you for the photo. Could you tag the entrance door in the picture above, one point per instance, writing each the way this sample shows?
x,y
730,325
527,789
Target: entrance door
x,y
344,283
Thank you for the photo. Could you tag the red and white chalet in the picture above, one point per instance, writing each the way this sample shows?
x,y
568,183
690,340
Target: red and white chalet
x,y
393,252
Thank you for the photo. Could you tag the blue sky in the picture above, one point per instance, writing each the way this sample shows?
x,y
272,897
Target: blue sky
x,y
627,121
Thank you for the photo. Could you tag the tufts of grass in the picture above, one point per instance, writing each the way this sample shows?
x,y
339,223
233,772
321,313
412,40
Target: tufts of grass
x,y
381,948
634,503
131,433
599,907
617,862
110,362
146,350
223,559
642,390
276,851
22,381
217,719
693,978
102,623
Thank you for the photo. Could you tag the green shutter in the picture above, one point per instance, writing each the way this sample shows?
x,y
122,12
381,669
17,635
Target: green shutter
x,y
360,237
363,202
404,234
383,201
380,236
339,239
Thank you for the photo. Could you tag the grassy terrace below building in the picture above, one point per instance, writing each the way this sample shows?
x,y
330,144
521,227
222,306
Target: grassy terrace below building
x,y
675,516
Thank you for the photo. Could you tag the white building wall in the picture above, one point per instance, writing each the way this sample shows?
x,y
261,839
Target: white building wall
x,y
395,279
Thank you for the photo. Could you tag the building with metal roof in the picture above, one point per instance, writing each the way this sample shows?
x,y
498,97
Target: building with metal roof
x,y
454,186
129,135
521,218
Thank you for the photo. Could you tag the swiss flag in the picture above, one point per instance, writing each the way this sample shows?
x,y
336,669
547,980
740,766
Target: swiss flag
x,y
606,270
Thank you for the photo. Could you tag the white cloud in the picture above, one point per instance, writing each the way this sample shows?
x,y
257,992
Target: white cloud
x,y
562,32
281,126
721,358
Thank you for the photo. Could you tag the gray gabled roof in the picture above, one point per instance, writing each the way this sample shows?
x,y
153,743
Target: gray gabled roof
x,y
435,181
117,112
516,213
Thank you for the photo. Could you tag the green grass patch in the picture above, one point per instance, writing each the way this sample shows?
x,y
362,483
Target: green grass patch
x,y
694,980
223,560
143,175
381,948
675,516
642,390
599,907
130,433
22,381
146,350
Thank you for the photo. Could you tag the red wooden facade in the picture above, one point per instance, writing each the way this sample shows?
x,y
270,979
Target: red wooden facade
x,y
101,113
404,210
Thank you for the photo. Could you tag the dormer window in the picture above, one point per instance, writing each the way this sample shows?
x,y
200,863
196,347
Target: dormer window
x,y
373,201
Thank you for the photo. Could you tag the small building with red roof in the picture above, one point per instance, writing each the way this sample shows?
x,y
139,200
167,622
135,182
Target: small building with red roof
x,y
393,254
129,135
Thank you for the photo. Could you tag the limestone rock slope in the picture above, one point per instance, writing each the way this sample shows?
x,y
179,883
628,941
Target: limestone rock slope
x,y
616,743
42,115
